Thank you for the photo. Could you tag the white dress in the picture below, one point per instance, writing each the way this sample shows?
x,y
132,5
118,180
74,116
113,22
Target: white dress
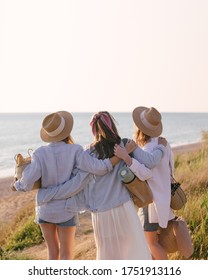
x,y
119,234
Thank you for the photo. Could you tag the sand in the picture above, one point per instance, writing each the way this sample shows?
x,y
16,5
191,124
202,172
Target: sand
x,y
12,201
187,148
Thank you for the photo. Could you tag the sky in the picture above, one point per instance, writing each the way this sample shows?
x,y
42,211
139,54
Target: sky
x,y
115,55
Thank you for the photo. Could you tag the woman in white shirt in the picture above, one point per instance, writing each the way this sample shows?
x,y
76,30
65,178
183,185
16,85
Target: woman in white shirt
x,y
157,214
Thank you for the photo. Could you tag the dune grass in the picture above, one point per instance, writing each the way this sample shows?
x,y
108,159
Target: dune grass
x,y
191,171
21,233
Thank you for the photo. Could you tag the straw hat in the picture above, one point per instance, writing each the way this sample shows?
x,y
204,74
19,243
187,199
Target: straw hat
x,y
148,120
56,126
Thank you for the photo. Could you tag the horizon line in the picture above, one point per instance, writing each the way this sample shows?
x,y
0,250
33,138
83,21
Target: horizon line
x,y
92,112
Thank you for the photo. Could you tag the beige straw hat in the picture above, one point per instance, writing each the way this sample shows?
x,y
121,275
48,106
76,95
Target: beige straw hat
x,y
148,120
56,126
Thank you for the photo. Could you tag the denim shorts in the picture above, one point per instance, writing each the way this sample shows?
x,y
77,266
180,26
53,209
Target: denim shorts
x,y
143,215
70,223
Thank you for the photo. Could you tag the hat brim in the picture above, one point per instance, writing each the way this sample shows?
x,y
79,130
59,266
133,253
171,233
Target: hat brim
x,y
64,134
137,120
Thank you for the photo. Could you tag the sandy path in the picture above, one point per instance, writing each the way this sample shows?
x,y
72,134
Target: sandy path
x,y
12,201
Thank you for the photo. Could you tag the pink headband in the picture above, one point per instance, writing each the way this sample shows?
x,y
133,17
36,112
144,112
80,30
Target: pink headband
x,y
104,118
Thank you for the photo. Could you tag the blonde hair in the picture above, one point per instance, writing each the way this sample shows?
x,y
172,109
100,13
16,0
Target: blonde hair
x,y
68,140
140,138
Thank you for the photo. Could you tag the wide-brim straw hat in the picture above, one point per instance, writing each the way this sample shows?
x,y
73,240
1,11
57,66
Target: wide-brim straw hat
x,y
148,120
56,126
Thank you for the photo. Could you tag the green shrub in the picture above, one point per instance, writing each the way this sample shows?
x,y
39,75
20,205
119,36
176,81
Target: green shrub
x,y
27,235
13,256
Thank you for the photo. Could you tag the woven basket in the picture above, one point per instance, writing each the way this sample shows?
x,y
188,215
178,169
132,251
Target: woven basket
x,y
176,237
178,197
183,237
167,238
21,163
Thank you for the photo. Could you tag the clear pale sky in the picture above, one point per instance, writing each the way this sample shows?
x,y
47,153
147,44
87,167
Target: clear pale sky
x,y
113,55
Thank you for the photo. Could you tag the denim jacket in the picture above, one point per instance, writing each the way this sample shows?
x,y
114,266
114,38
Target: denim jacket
x,y
102,193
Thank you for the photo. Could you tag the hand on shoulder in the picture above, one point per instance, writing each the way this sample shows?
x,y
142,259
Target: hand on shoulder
x,y
130,146
162,141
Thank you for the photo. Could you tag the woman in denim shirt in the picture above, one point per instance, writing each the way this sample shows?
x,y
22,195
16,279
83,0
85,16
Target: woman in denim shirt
x,y
117,228
56,163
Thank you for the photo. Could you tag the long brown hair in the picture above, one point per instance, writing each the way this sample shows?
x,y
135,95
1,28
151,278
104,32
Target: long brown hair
x,y
105,134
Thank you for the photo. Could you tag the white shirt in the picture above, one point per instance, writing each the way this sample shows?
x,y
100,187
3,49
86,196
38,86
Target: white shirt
x,y
160,183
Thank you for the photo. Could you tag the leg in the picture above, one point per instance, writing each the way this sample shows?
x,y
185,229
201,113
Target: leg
x,y
157,251
50,235
150,230
66,237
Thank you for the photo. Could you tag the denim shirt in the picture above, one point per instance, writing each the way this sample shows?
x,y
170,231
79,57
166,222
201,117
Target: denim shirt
x,y
104,192
55,164
108,191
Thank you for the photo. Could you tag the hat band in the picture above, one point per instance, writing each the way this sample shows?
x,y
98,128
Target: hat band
x,y
58,130
146,123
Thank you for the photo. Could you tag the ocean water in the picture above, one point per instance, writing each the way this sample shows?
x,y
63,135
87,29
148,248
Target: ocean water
x,y
20,131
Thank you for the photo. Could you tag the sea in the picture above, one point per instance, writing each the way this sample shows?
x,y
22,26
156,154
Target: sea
x,y
20,132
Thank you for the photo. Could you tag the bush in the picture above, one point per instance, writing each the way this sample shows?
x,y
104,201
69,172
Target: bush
x,y
27,235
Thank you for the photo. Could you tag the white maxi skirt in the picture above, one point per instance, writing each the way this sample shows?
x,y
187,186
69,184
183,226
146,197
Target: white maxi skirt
x,y
119,234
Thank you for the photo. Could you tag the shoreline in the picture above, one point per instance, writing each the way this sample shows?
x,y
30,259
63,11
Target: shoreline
x,y
186,148
180,149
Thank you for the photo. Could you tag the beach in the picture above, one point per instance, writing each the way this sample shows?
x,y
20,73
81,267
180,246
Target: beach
x,y
12,201
187,148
